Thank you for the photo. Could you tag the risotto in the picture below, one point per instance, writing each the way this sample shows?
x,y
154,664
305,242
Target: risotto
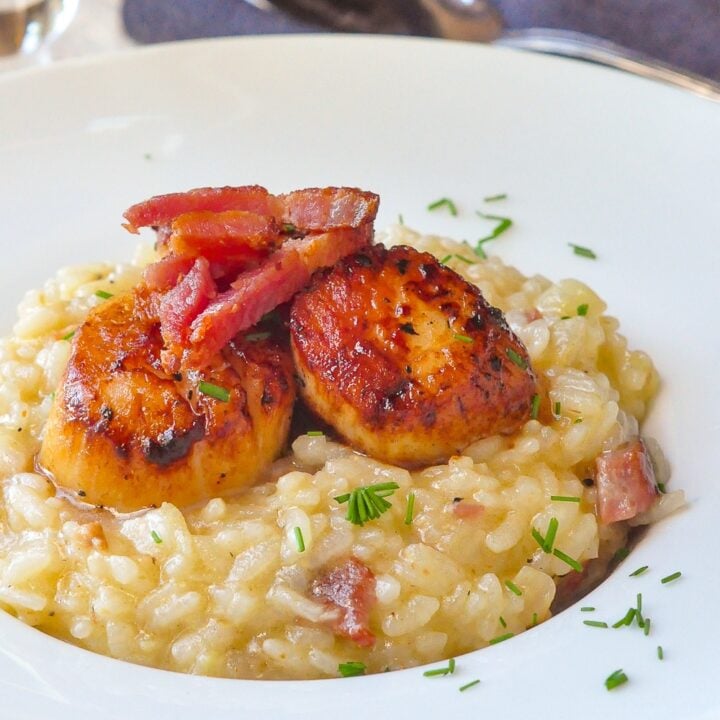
x,y
230,588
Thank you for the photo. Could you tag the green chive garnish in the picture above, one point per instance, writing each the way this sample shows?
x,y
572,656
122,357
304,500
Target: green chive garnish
x,y
660,652
256,337
463,688
595,623
551,533
513,588
69,336
582,309
535,406
462,338
565,498
621,554
401,219
574,564
503,224
616,679
627,619
670,578
516,359
583,251
445,259
502,621
444,202
314,433
299,540
103,294
587,608
638,611
639,571
464,259
661,487
351,669
214,391
441,672
646,628
410,509
534,619
289,228
494,198
557,409
156,538
367,503
501,638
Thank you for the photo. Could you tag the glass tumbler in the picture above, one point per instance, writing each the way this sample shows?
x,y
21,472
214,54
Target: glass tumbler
x,y
26,24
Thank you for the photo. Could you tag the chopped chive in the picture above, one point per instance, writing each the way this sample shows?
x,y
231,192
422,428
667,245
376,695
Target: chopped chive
x,y
445,259
367,503
660,652
574,564
551,533
315,433
557,409
513,588
473,683
410,509
156,538
69,336
516,359
639,571
582,310
661,487
257,337
214,391
464,259
535,406
494,198
289,228
478,250
444,202
577,421
583,251
616,679
534,619
621,554
351,669
502,621
670,578
638,611
299,540
401,219
342,498
501,638
565,498
442,671
539,539
503,224
462,338
587,608
103,294
595,623
626,619
646,628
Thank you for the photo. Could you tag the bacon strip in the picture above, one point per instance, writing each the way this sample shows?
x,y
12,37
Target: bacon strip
x,y
259,291
323,209
167,272
351,589
163,209
625,482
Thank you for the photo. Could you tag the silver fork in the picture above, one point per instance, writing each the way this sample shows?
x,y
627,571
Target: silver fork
x,y
480,21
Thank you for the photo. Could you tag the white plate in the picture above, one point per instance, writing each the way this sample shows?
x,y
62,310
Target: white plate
x,y
624,166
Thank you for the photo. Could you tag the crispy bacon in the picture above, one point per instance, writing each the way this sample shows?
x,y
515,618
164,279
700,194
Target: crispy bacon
x,y
163,209
351,589
331,208
167,272
625,482
230,236
185,301
259,291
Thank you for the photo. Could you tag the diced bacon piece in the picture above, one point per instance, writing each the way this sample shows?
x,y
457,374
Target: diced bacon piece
x,y
181,305
163,209
468,510
351,589
228,236
166,273
259,291
323,209
625,482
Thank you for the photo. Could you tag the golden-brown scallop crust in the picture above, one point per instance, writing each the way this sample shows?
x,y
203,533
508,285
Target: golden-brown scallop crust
x,y
123,433
406,359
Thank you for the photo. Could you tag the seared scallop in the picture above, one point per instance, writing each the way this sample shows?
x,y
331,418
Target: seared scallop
x,y
405,359
123,433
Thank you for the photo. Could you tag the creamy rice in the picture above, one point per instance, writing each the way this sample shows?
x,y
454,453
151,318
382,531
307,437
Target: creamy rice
x,y
222,589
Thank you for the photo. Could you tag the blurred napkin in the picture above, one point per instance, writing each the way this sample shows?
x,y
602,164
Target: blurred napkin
x,y
683,33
